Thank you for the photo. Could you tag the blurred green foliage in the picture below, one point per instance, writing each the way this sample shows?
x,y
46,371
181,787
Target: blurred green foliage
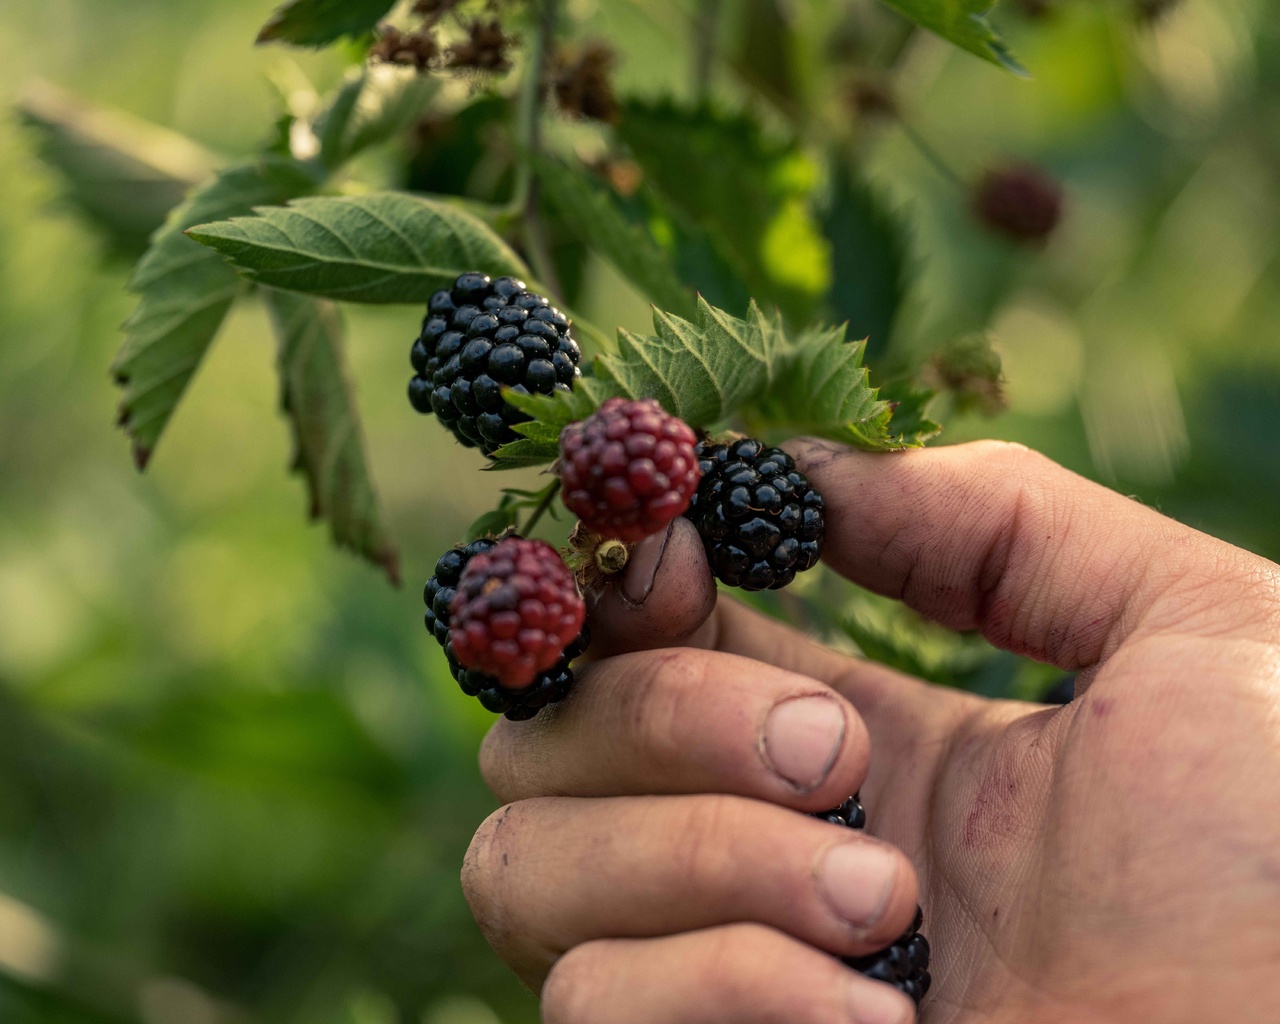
x,y
236,781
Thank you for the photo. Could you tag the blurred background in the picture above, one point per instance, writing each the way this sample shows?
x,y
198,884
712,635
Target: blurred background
x,y
236,780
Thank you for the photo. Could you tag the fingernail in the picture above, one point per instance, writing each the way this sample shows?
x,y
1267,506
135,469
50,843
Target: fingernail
x,y
802,738
870,1003
643,565
857,879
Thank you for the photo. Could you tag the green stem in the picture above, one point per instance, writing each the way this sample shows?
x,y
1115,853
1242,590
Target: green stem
x,y
524,201
934,158
705,25
541,508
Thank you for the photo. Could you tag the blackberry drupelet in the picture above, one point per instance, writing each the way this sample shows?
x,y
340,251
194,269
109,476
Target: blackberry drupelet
x,y
904,964
478,337
628,469
548,688
760,519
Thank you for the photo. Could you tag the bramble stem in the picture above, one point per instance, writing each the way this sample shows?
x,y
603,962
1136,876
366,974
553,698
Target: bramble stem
x,y
706,22
541,508
934,158
524,201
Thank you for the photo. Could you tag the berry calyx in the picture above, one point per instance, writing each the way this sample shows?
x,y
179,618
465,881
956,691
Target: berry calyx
x,y
628,469
479,337
905,963
760,519
516,610
517,704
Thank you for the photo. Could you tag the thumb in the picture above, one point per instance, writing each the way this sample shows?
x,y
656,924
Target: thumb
x,y
665,597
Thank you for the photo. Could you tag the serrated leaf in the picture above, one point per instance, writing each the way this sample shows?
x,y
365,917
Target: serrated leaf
x,y
373,106
319,400
964,23
540,443
701,371
890,633
591,212
184,293
380,247
493,522
319,22
123,175
911,425
868,258
822,389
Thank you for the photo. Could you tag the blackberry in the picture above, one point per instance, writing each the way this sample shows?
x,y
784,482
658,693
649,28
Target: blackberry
x,y
1020,201
905,963
478,337
516,609
760,519
628,469
517,704
849,814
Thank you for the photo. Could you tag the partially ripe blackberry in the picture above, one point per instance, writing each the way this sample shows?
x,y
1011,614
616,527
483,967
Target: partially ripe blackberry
x,y
904,964
760,519
1020,201
516,610
478,337
628,469
517,704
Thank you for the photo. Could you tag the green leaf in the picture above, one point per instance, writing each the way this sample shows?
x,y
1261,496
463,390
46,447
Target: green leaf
x,y
590,210
379,247
868,258
550,414
319,22
121,174
373,106
184,293
822,389
319,400
684,153
911,425
964,23
701,371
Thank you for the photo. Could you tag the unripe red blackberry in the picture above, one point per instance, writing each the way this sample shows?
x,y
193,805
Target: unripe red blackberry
x,y
760,519
1020,201
517,704
479,337
516,610
628,469
905,963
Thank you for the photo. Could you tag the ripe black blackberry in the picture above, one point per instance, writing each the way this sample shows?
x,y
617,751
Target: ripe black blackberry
x,y
760,519
905,963
548,688
478,337
849,814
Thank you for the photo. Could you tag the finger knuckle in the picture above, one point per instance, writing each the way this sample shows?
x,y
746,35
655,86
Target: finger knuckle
x,y
707,839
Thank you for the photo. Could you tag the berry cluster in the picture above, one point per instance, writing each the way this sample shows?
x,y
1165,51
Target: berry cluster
x,y
905,963
628,469
1021,202
547,687
760,519
479,337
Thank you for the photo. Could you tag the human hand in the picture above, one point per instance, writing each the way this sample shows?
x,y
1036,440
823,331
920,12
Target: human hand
x,y
1117,859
